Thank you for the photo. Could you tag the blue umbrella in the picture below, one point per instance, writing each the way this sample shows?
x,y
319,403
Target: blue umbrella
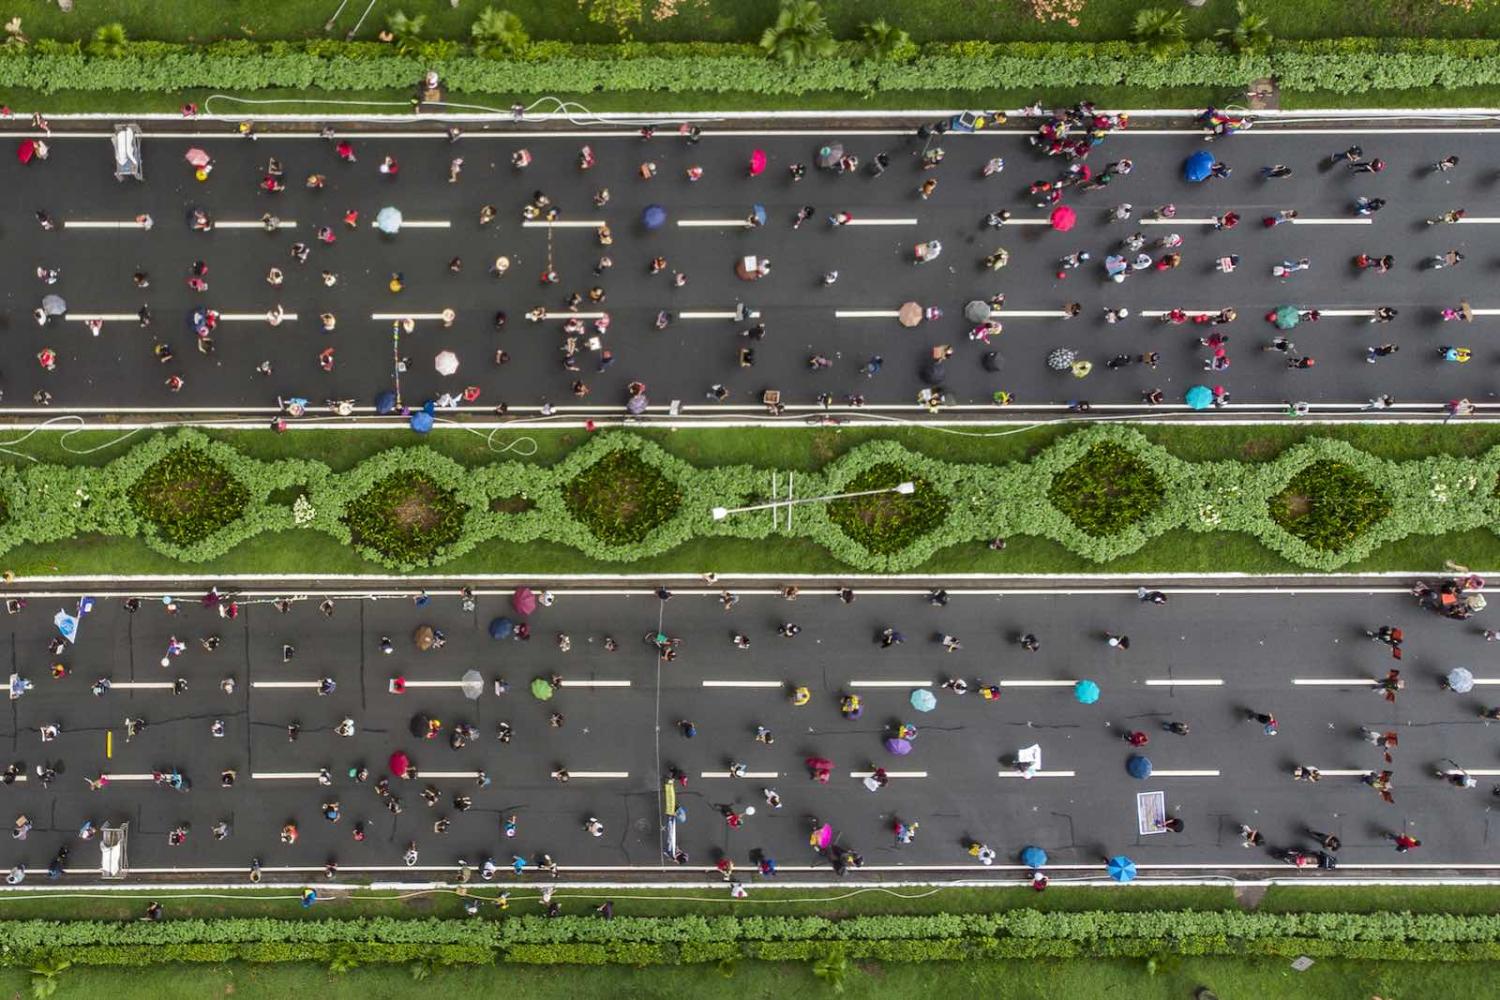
x,y
1198,166
421,421
1087,692
758,211
1199,397
1138,766
388,220
898,747
654,217
385,402
501,628
1033,857
923,700
1121,868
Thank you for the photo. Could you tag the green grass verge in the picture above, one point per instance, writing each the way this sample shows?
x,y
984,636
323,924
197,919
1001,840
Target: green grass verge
x,y
795,450
1166,978
742,20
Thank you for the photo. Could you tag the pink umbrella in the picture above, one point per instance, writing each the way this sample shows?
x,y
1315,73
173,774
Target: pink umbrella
x,y
400,763
26,150
1063,218
822,837
523,600
197,157
757,162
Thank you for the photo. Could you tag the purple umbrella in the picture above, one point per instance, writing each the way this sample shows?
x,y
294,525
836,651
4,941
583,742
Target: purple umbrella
x,y
899,747
523,600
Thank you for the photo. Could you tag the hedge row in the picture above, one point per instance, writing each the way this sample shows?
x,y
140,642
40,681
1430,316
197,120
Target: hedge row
x,y
1102,493
676,940
1345,65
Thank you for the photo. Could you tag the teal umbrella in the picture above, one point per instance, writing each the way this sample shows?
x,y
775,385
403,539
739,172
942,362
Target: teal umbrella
x,y
388,220
1286,317
1087,692
1033,857
1199,397
923,700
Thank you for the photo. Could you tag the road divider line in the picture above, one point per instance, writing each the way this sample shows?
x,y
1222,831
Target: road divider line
x,y
714,223
1005,314
1338,773
748,774
128,777
1159,773
284,775
698,314
890,684
1479,221
104,317
1334,681
1185,682
1028,222
560,224
922,774
471,775
569,682
1362,221
143,685
1478,772
1178,222
257,224
881,222
103,224
1039,774
284,684
417,224
253,317
1023,683
593,774
1345,312
866,313
434,684
744,684
401,316
1485,312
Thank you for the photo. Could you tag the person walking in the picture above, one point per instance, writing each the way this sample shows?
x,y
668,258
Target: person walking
x,y
1404,842
1267,721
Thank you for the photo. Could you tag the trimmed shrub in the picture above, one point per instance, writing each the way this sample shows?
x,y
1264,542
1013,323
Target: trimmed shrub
x,y
406,517
186,496
1106,491
622,498
1329,505
888,522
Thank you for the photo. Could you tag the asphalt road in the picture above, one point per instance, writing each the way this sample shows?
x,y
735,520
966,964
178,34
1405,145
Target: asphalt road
x,y
118,370
1253,647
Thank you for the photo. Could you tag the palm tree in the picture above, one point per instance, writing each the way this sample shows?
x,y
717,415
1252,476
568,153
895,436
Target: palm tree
x,y
833,969
498,33
881,41
407,31
1161,29
1250,34
44,976
109,41
799,34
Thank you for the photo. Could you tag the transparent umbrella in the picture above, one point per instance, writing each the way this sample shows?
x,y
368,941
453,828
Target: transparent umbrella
x,y
53,305
1460,680
1061,359
388,220
471,684
446,363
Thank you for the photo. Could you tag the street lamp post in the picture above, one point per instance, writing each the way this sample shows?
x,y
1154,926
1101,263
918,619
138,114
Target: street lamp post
x,y
720,513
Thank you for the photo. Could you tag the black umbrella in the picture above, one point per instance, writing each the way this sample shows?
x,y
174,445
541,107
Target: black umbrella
x,y
420,724
992,361
933,372
830,155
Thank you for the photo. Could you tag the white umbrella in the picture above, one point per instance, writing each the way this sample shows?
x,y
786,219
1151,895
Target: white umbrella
x,y
1460,680
446,363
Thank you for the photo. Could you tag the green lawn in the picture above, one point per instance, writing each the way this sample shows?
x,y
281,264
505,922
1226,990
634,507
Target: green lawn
x,y
1166,978
787,449
740,20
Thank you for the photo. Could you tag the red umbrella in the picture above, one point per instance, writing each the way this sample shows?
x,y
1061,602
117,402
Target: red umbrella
x,y
523,600
26,150
400,763
1063,218
757,162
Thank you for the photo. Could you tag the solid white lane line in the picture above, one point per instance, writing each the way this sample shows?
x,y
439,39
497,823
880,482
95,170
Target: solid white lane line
x,y
141,685
881,222
1159,773
592,774
755,314
257,224
103,224
401,316
1478,772
744,684
434,684
1005,314
569,682
1485,312
1185,682
104,317
715,223
569,224
747,774
253,317
1337,773
1362,221
1345,312
1334,681
284,684
1177,222
1028,222
1036,684
923,774
1480,221
1039,774
285,775
573,315
129,777
414,224
889,684
865,313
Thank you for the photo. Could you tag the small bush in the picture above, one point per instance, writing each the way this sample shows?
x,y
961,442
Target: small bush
x,y
888,522
621,499
406,517
1106,490
187,496
1329,505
